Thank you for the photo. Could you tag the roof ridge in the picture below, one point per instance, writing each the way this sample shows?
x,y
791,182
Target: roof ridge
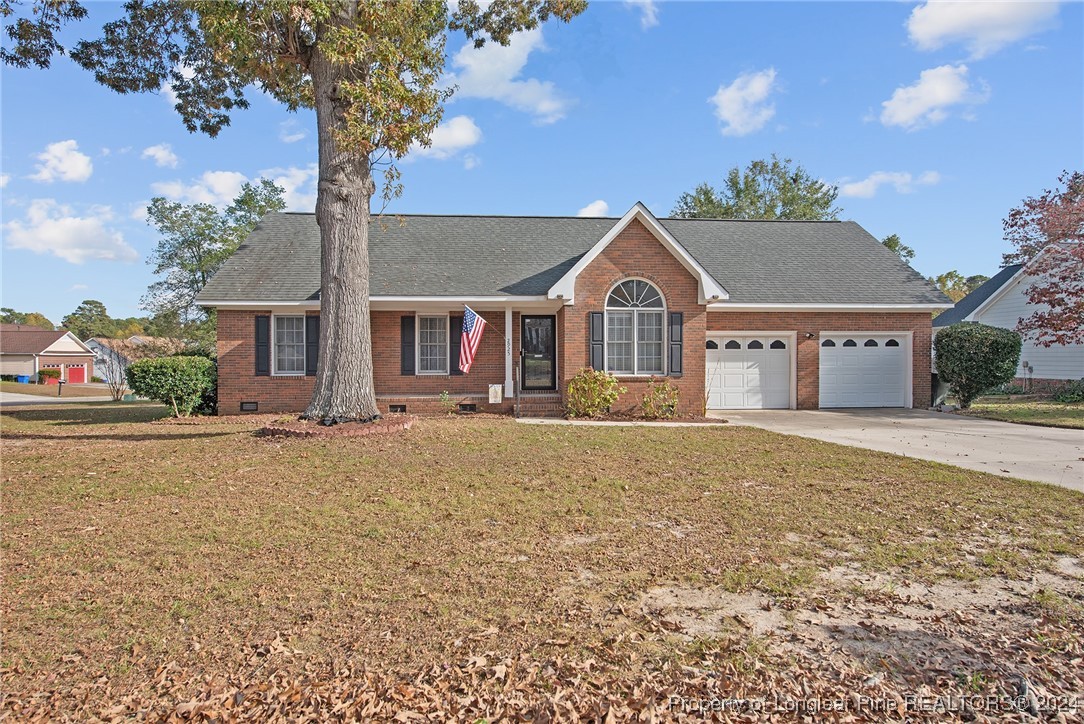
x,y
582,218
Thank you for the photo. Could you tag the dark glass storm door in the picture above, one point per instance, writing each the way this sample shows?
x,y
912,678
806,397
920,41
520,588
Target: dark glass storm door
x,y
538,340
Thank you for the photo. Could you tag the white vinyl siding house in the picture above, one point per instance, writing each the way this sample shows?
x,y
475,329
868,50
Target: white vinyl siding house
x,y
1005,309
1002,302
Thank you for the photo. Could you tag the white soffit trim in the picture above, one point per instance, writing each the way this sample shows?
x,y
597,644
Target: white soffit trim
x,y
314,303
813,307
708,288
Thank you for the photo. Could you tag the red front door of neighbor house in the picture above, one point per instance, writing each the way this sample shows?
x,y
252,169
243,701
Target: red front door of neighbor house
x,y
77,373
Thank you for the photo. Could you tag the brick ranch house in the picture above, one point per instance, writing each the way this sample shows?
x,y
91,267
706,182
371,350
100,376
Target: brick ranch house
x,y
737,314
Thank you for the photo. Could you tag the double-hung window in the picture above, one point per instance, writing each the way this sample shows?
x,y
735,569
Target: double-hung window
x,y
635,330
433,345
289,345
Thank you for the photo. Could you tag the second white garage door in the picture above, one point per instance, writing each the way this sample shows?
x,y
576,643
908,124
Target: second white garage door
x,y
747,372
864,370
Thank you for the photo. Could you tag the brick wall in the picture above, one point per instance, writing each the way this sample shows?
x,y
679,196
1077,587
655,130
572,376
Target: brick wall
x,y
635,252
808,354
238,381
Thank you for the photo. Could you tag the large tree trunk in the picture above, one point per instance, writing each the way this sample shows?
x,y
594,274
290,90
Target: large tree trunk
x,y
344,377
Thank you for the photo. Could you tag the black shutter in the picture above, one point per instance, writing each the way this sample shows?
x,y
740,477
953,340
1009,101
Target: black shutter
x,y
598,356
406,345
455,341
676,320
312,343
263,345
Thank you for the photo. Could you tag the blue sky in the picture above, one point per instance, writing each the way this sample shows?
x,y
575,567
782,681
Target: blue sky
x,y
934,119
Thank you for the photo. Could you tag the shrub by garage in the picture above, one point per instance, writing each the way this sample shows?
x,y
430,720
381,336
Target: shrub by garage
x,y
972,358
181,383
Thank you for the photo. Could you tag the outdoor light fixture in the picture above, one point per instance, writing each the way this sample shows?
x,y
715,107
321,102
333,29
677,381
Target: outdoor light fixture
x,y
809,335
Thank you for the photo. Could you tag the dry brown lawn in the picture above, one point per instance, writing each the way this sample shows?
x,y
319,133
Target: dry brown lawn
x,y
50,390
480,568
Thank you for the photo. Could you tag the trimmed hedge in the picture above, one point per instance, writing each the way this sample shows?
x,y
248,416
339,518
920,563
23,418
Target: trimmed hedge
x,y
51,374
182,383
972,358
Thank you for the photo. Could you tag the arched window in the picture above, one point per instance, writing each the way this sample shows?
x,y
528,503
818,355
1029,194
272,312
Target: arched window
x,y
712,344
892,343
870,343
777,344
732,344
634,329
828,343
850,343
755,344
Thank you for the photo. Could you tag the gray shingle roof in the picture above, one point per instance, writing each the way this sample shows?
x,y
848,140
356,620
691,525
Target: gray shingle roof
x,y
971,302
757,262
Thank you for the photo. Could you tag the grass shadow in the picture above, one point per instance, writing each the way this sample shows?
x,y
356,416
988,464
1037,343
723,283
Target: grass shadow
x,y
89,413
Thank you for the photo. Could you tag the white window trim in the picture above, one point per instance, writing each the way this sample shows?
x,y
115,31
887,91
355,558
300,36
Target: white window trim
x,y
418,345
635,357
274,345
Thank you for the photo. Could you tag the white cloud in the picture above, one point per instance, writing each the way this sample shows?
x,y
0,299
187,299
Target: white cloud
x,y
743,105
220,188
595,208
290,132
983,27
213,187
927,101
167,90
62,161
492,72
649,12
471,161
77,287
4,178
299,185
449,138
51,228
162,154
902,181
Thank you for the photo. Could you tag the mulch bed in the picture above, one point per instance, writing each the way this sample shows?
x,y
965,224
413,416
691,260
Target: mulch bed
x,y
252,420
308,428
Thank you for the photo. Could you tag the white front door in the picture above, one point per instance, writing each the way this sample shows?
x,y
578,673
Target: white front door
x,y
748,372
864,370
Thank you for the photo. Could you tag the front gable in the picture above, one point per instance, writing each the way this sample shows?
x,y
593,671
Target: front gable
x,y
708,289
67,344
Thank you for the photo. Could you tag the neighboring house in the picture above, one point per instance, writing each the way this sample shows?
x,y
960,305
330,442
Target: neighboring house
x,y
28,350
736,314
112,356
1003,302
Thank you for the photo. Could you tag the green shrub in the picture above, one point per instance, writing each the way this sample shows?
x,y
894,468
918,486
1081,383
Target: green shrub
x,y
591,392
1072,392
48,375
7,378
660,400
179,382
96,378
973,357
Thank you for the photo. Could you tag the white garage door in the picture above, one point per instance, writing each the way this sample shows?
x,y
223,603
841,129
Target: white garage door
x,y
746,372
863,370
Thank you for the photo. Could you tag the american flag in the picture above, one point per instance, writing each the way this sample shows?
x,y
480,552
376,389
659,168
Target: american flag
x,y
473,325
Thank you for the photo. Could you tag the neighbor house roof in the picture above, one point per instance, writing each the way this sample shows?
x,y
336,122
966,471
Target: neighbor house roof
x,y
140,345
974,300
756,262
28,340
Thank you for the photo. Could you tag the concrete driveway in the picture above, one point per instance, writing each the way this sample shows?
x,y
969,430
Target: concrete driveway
x,y
1047,454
